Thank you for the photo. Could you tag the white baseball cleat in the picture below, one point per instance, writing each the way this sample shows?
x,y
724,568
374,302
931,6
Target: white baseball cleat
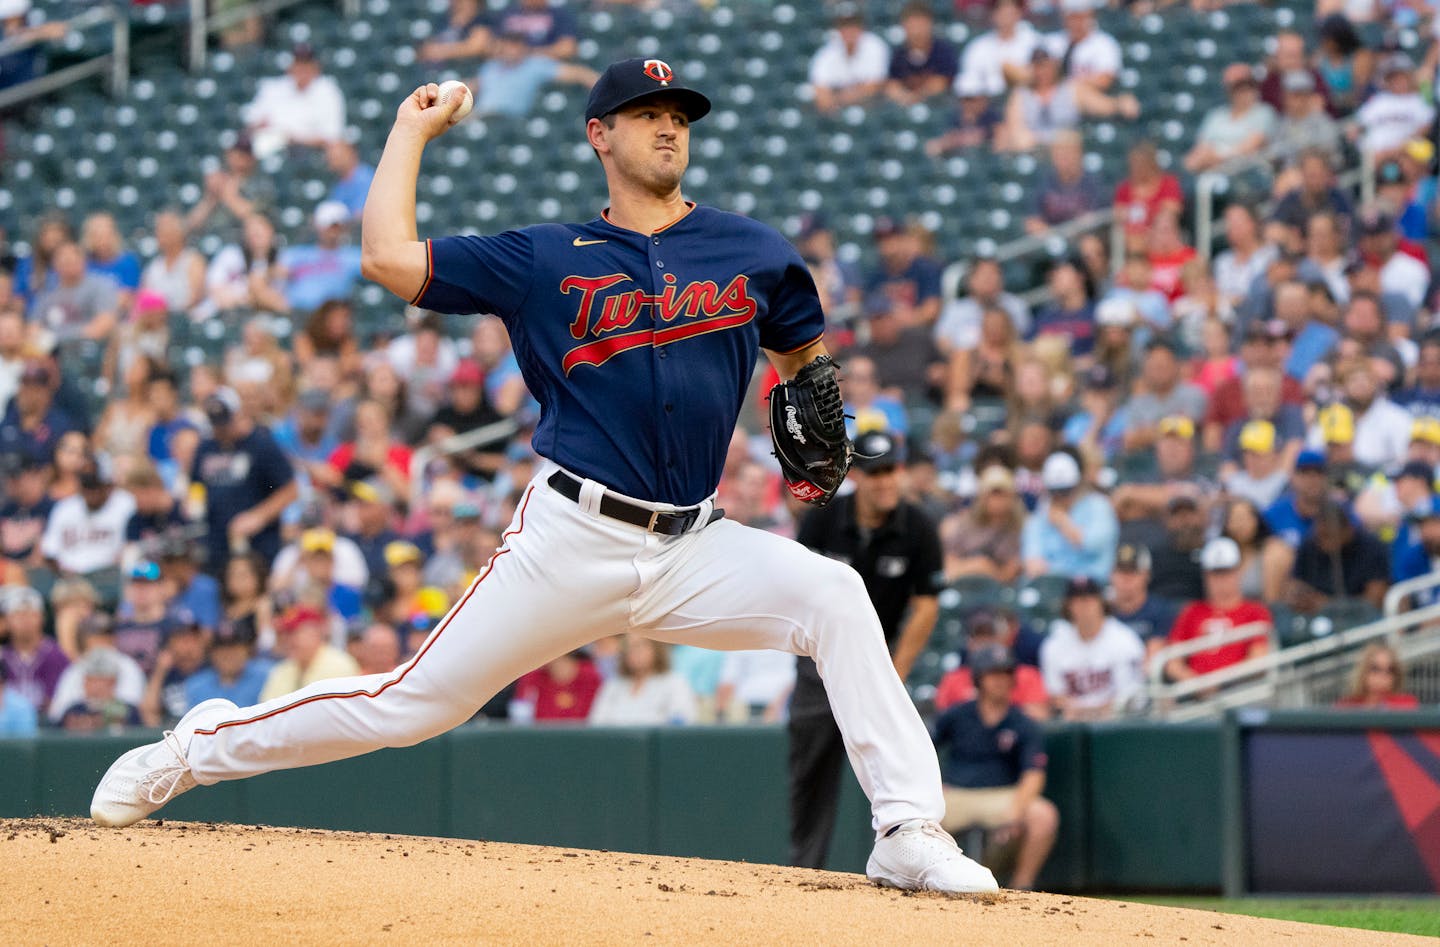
x,y
921,856
149,776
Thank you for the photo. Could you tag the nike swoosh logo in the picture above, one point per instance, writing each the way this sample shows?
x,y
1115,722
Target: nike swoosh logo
x,y
577,242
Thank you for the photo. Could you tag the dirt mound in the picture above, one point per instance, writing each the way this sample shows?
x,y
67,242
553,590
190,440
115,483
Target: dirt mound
x,y
69,882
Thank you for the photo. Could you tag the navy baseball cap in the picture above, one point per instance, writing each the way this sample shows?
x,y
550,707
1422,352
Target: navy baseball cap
x,y
878,451
629,80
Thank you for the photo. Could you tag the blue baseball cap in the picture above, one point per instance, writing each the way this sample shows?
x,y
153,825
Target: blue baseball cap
x,y
630,80
1310,460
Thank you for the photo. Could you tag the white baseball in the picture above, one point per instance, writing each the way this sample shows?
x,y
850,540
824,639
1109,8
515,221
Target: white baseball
x,y
456,87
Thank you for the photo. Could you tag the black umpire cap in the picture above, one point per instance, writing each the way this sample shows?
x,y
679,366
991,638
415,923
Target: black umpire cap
x,y
630,79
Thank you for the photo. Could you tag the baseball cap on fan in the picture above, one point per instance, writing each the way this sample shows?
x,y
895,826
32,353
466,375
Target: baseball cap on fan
x,y
331,214
876,451
1060,472
222,406
1220,554
630,80
13,8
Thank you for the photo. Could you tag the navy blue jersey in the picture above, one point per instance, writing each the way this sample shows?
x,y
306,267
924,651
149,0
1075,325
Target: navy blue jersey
x,y
638,347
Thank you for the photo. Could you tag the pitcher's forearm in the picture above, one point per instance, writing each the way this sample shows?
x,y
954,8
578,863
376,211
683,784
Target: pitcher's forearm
x,y
390,251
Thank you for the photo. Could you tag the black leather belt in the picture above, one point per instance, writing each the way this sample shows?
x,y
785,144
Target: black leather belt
x,y
656,521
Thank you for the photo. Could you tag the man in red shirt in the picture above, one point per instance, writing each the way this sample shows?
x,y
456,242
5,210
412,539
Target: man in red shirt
x,y
1266,345
1224,608
958,686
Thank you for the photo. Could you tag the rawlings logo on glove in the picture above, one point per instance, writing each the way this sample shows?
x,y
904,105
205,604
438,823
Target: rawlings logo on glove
x,y
807,426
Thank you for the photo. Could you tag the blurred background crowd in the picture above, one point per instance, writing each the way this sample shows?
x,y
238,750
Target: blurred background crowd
x,y
229,468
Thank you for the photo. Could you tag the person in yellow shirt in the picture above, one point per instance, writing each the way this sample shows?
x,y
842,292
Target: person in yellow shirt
x,y
303,634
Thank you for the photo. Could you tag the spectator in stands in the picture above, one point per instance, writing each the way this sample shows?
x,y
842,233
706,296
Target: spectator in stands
x,y
1097,426
82,304
193,591
1381,427
245,481
1262,399
867,408
1246,257
33,425
1391,507
1263,563
124,429
985,539
1291,516
960,323
22,65
1162,393
923,65
548,30
326,270
1379,681
1149,616
1050,103
1147,494
1344,63
1092,663
315,580
1000,57
564,689
1420,188
907,279
1316,192
71,452
910,367
303,631
105,252
984,370
1244,127
233,195
1223,609
644,692
1263,471
25,509
376,649
13,345
86,532
462,32
1087,53
1422,556
1303,126
1168,254
1336,561
1066,189
1073,530
72,602
247,275
1287,63
1394,114
247,610
145,618
1175,549
987,629
1400,273
975,123
373,515
101,707
852,65
511,78
33,662
838,281
352,176
177,271
1146,191
992,765
1070,310
329,333
1135,287
17,715
1422,399
373,453
303,108
232,671
181,658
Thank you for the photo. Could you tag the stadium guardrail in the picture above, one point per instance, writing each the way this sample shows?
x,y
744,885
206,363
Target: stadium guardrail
x,y
453,444
116,62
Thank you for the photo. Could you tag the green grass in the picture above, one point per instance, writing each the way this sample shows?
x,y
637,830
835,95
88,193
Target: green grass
x,y
1395,915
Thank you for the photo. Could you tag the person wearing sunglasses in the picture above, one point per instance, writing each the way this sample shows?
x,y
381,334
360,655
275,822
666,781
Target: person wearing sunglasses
x,y
1379,681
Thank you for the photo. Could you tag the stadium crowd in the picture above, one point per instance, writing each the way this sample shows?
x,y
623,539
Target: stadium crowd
x,y
1167,446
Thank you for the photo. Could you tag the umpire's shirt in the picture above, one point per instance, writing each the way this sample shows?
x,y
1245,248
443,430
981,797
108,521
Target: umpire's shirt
x,y
898,560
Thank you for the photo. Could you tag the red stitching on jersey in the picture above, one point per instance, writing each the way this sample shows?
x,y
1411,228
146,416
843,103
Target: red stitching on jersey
x,y
429,274
413,661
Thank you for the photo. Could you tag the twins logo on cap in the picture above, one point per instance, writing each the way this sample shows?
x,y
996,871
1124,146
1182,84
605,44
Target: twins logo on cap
x,y
659,70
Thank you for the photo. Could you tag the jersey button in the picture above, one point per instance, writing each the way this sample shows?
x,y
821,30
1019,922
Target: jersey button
x,y
663,353
657,241
660,264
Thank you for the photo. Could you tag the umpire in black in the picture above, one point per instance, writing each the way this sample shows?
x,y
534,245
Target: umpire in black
x,y
896,549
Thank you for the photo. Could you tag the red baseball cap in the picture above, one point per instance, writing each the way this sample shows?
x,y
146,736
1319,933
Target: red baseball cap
x,y
467,373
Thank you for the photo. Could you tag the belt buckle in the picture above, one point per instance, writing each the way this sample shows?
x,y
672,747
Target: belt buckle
x,y
654,518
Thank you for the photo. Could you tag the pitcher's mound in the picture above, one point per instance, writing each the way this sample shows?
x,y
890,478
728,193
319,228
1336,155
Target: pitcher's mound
x,y
68,881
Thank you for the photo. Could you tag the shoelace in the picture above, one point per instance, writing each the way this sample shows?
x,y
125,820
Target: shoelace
x,y
933,829
163,783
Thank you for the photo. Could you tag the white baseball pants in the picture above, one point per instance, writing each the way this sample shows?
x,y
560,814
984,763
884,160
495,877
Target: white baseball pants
x,y
564,576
